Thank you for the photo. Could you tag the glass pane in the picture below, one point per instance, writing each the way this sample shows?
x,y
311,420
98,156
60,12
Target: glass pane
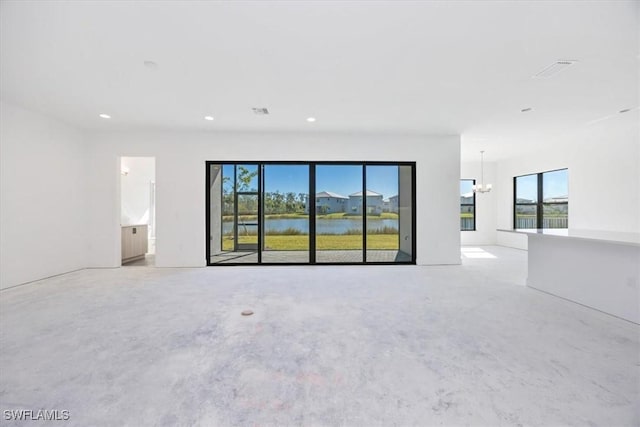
x,y
526,216
234,226
555,186
286,217
216,209
338,219
383,235
247,224
527,189
248,207
467,218
555,215
247,178
466,191
405,213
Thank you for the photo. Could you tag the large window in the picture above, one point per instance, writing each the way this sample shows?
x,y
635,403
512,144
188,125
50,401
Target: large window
x,y
541,200
310,213
467,205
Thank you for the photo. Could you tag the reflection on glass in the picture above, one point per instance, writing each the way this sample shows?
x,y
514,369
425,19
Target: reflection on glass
x,y
467,205
217,209
526,199
526,216
555,186
383,238
247,223
405,213
286,215
234,213
527,189
555,215
338,202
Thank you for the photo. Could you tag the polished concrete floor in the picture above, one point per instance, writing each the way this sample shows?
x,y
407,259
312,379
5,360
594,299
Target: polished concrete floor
x,y
334,346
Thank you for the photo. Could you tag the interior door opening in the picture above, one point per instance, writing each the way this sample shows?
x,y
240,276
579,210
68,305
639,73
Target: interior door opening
x,y
138,211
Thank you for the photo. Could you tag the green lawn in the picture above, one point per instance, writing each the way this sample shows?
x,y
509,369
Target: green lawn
x,y
323,242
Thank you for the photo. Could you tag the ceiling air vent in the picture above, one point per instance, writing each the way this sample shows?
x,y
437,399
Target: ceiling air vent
x,y
555,68
260,111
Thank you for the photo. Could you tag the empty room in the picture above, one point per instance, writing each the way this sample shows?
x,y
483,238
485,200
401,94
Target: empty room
x,y
319,213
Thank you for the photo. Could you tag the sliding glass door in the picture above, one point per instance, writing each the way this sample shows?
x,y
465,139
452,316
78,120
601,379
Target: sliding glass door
x,y
339,236
310,213
285,221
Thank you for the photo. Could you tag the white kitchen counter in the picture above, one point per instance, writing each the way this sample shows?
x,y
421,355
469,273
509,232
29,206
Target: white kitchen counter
x,y
599,269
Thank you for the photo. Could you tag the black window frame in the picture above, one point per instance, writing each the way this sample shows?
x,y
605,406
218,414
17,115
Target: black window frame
x,y
473,183
312,210
540,203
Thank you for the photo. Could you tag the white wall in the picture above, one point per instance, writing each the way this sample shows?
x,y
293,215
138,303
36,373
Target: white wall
x,y
604,178
485,233
180,183
42,197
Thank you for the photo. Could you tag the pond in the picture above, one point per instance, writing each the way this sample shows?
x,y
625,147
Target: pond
x,y
323,226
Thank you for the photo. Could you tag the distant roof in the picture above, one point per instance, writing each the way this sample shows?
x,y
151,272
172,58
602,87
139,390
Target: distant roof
x,y
369,193
330,194
557,199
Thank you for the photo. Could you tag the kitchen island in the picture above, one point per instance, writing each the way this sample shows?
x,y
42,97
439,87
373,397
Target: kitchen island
x,y
599,269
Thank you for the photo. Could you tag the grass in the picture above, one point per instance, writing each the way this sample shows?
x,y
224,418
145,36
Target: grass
x,y
323,242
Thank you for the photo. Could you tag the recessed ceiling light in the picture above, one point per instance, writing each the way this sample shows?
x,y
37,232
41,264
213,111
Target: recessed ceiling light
x,y
311,119
208,118
105,116
526,110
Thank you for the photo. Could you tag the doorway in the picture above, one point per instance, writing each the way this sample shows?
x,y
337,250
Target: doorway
x,y
137,211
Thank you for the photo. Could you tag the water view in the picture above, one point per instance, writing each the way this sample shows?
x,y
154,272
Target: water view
x,y
323,226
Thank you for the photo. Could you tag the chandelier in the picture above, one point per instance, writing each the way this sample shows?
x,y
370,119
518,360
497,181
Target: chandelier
x,y
482,188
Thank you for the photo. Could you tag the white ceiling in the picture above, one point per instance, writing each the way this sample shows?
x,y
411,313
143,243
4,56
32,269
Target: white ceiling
x,y
415,67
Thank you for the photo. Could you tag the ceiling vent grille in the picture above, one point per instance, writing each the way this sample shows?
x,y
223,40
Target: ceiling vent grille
x,y
555,68
260,111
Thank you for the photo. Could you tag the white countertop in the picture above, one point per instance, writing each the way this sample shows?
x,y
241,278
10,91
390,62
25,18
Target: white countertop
x,y
133,225
619,237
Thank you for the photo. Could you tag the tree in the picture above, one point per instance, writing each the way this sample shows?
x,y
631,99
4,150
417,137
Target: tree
x,y
290,204
302,201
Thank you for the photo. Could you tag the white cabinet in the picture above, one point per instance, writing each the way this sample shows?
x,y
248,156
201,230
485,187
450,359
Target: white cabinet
x,y
135,242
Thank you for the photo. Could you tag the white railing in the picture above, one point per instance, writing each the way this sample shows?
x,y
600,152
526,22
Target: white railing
x,y
466,224
550,222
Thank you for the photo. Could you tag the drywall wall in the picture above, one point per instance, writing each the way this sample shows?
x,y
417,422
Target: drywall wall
x,y
485,233
180,183
604,178
42,197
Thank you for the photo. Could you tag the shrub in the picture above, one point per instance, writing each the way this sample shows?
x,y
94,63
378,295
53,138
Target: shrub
x,y
383,230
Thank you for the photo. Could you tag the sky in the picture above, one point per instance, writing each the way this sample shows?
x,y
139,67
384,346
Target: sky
x,y
554,184
341,179
347,179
